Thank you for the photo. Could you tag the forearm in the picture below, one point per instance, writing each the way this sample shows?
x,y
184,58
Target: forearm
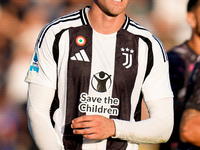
x,y
38,106
189,127
156,129
42,132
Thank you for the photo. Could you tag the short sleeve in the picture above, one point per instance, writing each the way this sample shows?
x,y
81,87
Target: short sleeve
x,y
42,69
157,84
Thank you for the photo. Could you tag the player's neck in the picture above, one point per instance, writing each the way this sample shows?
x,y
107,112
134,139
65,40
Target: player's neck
x,y
103,23
194,43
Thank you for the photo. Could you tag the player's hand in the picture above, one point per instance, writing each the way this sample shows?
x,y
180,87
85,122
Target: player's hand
x,y
93,127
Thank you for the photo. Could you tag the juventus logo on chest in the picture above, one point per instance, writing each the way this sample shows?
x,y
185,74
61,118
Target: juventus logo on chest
x,y
128,53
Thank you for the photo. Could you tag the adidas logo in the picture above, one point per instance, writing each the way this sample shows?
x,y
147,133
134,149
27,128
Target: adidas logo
x,y
80,56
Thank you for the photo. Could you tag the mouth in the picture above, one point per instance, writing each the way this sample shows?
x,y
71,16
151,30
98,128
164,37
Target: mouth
x,y
117,0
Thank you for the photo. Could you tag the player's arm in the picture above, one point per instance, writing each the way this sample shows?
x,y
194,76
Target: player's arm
x,y
38,110
145,115
189,127
156,129
42,80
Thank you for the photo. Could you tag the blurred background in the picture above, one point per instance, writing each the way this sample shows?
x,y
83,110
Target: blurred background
x,y
20,24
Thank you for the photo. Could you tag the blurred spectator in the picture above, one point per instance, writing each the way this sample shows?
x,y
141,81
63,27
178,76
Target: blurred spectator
x,y
141,12
182,60
14,133
9,120
34,20
51,8
190,122
11,14
10,27
73,5
168,18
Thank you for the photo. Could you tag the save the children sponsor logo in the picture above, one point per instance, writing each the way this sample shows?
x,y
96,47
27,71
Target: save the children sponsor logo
x,y
101,81
98,105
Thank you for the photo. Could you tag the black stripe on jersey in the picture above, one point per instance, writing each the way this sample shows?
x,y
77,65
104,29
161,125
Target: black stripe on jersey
x,y
78,81
55,49
137,115
124,80
150,56
57,21
55,104
84,16
125,25
162,48
82,19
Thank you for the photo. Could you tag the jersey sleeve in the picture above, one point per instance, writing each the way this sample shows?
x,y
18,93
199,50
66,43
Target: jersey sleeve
x,y
156,129
41,129
157,84
43,67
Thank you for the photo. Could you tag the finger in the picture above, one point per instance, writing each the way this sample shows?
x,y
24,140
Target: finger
x,y
81,125
85,131
82,119
91,136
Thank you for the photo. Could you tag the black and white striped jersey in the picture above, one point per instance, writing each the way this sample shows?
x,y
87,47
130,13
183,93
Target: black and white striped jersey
x,y
98,74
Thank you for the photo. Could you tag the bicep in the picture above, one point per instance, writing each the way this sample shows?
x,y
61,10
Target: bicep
x,y
38,111
39,99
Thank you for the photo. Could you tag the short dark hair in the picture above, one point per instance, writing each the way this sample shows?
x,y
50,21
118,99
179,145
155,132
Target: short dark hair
x,y
191,5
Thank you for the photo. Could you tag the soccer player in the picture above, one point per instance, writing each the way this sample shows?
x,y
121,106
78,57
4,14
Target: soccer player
x,y
182,60
88,72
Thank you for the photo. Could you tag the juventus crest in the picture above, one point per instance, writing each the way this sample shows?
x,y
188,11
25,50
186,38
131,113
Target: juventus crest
x,y
128,53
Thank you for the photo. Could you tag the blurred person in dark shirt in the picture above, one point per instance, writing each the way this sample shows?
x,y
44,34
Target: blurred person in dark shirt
x,y
190,122
182,60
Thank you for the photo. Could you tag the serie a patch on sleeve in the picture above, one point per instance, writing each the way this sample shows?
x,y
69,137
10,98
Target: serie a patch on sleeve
x,y
34,66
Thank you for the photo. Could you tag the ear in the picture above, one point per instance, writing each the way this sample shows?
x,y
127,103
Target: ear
x,y
191,19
